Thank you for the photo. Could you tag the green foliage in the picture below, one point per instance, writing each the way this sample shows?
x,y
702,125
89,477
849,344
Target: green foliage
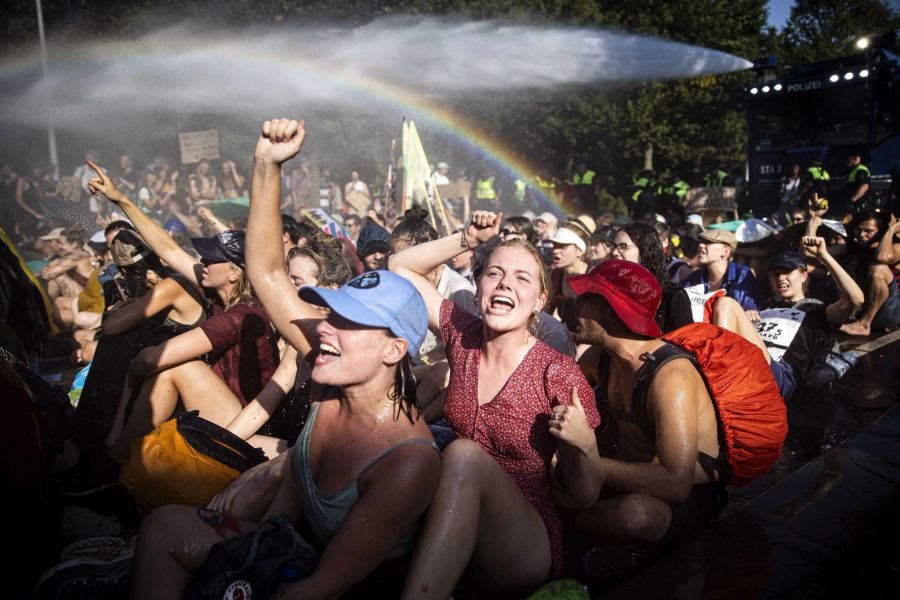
x,y
686,126
822,29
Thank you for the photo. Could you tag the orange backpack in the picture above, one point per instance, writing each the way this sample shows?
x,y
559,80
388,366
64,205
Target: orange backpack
x,y
751,414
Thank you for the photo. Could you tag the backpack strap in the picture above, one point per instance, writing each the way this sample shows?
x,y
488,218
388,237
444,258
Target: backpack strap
x,y
652,364
217,442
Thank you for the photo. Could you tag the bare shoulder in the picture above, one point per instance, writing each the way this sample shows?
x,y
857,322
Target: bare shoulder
x,y
678,379
415,464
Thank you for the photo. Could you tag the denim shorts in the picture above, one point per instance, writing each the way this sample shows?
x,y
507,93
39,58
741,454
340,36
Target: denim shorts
x,y
784,376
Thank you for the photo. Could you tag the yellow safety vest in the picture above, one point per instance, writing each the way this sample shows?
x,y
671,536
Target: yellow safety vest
x,y
860,167
586,179
818,174
484,189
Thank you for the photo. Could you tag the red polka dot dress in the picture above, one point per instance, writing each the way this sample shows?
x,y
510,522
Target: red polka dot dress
x,y
513,427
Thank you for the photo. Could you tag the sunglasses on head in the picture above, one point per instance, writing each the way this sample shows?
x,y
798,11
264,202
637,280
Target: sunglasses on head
x,y
506,231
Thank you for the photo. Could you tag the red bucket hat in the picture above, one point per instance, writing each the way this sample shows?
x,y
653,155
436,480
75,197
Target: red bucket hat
x,y
631,290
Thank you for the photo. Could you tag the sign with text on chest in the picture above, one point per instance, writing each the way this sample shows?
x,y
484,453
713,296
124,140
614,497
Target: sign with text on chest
x,y
778,327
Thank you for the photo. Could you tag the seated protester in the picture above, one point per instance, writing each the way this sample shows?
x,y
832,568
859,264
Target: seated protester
x,y
362,500
601,244
570,257
519,228
874,255
373,246
719,271
320,263
85,312
677,270
640,243
129,285
795,351
663,496
65,276
512,403
464,264
237,339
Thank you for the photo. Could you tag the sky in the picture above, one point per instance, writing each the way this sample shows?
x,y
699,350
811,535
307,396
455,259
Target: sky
x,y
779,11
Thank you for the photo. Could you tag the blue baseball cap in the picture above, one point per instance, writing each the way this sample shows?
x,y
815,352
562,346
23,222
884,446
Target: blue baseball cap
x,y
377,299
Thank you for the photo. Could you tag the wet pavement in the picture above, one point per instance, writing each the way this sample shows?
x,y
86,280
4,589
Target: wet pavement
x,y
824,522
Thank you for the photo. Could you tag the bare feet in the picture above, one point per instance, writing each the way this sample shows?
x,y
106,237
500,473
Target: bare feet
x,y
856,328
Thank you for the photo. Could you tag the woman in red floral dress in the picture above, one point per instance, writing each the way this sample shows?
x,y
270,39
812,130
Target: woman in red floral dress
x,y
512,402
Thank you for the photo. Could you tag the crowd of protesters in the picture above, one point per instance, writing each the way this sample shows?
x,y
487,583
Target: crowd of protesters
x,y
427,398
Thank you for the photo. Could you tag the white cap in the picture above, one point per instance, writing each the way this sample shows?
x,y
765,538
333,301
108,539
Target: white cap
x,y
54,234
567,236
548,218
695,219
98,237
443,165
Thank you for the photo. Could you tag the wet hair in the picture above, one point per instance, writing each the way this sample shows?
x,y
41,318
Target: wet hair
x,y
289,226
332,267
135,275
649,247
243,292
404,393
413,228
307,230
117,226
524,226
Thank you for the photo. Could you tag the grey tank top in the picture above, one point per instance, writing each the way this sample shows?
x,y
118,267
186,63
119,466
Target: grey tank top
x,y
325,514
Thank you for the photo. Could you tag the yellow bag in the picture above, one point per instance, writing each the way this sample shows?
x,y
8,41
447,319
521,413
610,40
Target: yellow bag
x,y
186,460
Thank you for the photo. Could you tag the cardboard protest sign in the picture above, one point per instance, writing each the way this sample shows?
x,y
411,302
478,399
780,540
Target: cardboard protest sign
x,y
711,198
456,190
197,145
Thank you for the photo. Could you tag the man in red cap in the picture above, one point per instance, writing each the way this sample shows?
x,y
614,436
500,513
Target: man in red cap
x,y
656,494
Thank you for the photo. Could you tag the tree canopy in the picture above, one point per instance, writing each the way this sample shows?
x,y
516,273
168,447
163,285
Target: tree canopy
x,y
686,126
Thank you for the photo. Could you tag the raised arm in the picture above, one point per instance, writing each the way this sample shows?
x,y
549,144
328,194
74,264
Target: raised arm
x,y
852,297
888,249
416,262
294,319
155,236
207,215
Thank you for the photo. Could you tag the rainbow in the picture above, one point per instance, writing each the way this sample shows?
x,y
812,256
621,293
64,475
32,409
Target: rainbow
x,y
461,131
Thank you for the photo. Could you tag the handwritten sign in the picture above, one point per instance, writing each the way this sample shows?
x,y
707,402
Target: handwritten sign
x,y
711,198
197,145
778,327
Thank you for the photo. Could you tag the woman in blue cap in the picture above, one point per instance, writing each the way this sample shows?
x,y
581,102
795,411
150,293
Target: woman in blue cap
x,y
797,334
365,467
237,340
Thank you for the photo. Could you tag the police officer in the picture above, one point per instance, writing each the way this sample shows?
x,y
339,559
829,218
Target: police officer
x,y
485,192
815,181
858,190
583,180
